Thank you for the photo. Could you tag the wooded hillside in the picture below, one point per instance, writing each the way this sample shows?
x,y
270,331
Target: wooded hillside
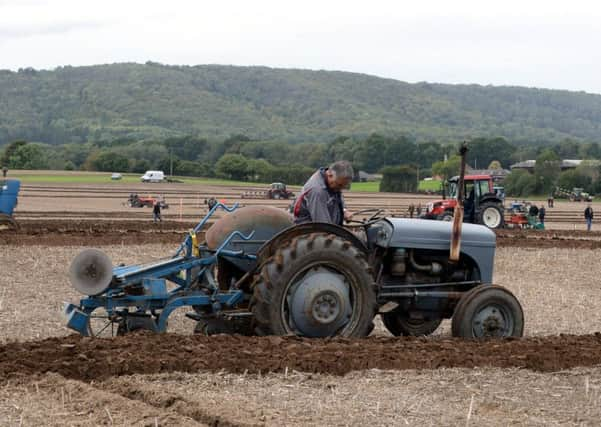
x,y
154,101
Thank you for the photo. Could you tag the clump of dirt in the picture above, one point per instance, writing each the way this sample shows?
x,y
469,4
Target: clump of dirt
x,y
88,359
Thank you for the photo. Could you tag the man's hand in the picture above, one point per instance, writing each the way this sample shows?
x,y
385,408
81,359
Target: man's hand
x,y
347,215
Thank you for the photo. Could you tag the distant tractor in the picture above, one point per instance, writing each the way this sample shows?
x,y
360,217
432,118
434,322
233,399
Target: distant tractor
x,y
135,201
9,190
277,191
576,194
482,203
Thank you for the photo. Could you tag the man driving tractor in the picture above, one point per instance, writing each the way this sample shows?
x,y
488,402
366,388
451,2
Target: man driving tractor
x,y
321,199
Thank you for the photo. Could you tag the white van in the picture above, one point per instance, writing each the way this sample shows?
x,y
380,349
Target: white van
x,y
153,176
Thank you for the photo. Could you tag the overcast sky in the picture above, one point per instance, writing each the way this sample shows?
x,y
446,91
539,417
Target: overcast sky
x,y
527,43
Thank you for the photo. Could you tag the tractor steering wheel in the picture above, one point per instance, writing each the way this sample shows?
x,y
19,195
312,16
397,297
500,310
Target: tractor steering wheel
x,y
372,219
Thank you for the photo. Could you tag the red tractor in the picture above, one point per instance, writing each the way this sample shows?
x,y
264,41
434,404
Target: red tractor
x,y
277,191
482,204
135,201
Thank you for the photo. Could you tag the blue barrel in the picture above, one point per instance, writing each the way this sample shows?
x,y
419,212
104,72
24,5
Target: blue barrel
x,y
9,189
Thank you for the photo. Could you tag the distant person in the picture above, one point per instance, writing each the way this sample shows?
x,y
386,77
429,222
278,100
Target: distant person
x,y
541,214
211,202
411,209
501,194
588,216
469,208
533,211
321,198
550,201
4,171
418,210
156,211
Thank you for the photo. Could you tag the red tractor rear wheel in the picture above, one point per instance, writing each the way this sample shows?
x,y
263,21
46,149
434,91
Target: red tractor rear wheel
x,y
491,215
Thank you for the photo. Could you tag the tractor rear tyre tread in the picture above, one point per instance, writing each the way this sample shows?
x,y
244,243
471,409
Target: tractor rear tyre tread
x,y
271,284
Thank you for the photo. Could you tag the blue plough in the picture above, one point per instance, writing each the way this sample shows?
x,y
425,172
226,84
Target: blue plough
x,y
140,297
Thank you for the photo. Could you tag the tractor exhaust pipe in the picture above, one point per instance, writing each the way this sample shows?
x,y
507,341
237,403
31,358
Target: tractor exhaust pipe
x,y
458,213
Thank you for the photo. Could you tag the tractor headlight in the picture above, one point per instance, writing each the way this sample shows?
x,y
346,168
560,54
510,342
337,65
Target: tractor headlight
x,y
381,233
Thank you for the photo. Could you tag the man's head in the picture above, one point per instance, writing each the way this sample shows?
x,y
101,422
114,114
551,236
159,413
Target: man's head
x,y
339,175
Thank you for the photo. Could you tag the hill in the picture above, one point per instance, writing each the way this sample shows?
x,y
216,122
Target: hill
x,y
152,101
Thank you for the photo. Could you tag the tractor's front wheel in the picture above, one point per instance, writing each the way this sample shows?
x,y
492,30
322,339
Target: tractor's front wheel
x,y
400,324
488,311
318,285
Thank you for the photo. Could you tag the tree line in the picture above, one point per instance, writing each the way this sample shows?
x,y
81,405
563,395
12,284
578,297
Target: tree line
x,y
237,157
402,159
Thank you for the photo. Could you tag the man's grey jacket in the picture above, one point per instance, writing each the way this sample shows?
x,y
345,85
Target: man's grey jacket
x,y
317,203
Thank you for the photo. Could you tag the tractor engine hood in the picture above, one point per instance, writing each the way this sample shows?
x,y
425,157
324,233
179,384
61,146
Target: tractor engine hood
x,y
442,204
477,241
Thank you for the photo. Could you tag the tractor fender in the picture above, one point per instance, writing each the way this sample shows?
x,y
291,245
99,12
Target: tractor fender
x,y
269,248
265,221
491,198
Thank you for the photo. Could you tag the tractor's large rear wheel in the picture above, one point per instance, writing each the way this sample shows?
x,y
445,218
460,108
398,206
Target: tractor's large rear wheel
x,y
491,215
488,311
400,324
317,285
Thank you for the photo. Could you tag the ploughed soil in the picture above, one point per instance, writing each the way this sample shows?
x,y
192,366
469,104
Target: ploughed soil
x,y
576,239
98,232
86,232
88,359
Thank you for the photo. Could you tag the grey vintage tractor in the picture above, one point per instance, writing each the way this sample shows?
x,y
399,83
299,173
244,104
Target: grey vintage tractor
x,y
257,273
